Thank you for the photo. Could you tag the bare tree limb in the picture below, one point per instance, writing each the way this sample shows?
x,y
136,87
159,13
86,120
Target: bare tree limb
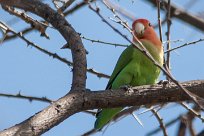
x,y
70,35
70,104
183,15
41,122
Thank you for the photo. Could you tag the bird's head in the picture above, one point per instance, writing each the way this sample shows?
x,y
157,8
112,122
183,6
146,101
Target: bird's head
x,y
143,29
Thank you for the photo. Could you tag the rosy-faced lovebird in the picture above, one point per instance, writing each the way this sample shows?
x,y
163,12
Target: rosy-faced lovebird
x,y
133,67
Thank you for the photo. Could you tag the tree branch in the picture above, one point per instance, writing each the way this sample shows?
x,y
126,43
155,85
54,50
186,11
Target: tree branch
x,y
40,26
183,15
66,30
160,120
186,44
136,96
68,12
30,98
52,115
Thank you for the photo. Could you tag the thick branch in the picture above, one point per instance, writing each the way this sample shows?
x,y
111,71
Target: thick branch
x,y
53,115
183,15
70,104
66,30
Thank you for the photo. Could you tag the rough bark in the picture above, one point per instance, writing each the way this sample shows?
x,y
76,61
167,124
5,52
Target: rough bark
x,y
80,101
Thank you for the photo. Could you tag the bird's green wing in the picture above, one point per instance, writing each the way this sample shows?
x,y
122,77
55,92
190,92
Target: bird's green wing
x,y
123,60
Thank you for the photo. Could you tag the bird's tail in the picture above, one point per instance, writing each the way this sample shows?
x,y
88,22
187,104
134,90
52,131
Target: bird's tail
x,y
104,116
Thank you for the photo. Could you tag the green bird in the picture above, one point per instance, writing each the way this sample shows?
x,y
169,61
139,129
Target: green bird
x,y
133,67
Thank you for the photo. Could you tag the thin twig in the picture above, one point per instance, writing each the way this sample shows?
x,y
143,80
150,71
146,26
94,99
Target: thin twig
x,y
78,6
167,63
65,6
167,125
120,10
30,98
186,44
23,32
99,41
160,120
54,55
173,41
195,113
68,12
159,20
173,121
40,26
158,3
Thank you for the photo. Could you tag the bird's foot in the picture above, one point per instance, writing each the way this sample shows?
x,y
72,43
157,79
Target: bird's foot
x,y
127,88
165,83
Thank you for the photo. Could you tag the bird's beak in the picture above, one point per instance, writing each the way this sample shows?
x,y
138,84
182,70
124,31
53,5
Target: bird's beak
x,y
139,29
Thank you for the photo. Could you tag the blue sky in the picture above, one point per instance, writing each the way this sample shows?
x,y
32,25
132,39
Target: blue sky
x,y
26,70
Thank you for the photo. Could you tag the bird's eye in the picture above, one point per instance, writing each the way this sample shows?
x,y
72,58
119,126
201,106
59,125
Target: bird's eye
x,y
139,28
150,24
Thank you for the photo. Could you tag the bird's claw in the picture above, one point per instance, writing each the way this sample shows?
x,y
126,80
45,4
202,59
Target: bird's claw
x,y
127,88
165,83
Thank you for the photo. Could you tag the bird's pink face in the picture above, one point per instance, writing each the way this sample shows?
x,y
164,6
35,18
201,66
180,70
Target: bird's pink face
x,y
143,30
140,27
